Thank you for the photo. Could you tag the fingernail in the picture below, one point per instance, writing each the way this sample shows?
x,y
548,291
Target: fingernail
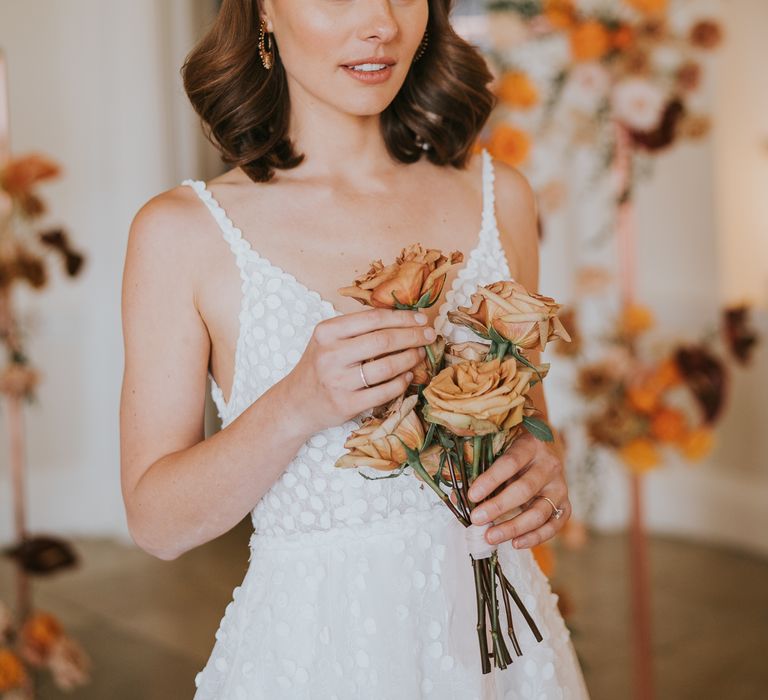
x,y
476,493
420,318
430,334
409,376
494,536
478,516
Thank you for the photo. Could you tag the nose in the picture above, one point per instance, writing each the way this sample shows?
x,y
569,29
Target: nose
x,y
379,22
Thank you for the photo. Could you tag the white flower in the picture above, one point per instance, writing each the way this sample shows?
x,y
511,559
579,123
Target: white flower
x,y
638,103
587,86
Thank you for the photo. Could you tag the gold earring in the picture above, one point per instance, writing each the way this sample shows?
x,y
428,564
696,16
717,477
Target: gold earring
x,y
267,55
422,47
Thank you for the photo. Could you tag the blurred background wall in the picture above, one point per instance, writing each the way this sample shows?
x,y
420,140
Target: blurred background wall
x,y
95,84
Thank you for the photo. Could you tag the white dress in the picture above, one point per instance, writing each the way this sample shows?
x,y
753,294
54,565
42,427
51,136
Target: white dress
x,y
360,589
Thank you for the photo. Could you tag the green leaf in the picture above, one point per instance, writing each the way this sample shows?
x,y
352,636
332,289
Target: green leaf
x,y
538,428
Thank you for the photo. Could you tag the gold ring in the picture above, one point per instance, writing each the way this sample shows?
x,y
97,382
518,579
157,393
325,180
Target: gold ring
x,y
556,512
362,374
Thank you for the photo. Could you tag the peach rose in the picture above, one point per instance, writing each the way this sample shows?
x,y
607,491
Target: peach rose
x,y
648,7
590,41
424,371
510,145
478,398
376,443
21,174
38,635
640,455
523,318
517,90
461,352
414,280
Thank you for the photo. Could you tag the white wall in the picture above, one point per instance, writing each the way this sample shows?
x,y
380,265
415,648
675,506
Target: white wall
x,y
93,84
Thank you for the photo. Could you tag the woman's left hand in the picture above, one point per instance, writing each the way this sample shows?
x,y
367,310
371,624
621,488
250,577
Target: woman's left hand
x,y
529,468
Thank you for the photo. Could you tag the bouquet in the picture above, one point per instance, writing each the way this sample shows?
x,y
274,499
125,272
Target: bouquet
x,y
467,403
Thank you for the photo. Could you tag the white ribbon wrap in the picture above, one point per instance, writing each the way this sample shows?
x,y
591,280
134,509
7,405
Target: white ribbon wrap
x,y
476,543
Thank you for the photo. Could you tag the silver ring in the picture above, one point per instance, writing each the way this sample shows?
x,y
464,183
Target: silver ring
x,y
556,512
362,374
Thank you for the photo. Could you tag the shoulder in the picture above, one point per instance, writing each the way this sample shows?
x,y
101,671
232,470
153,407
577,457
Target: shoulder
x,y
517,218
169,240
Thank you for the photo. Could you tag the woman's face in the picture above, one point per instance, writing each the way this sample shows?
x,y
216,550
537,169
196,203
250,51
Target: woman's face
x,y
318,39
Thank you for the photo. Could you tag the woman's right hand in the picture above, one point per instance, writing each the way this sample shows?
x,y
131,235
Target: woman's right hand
x,y
328,373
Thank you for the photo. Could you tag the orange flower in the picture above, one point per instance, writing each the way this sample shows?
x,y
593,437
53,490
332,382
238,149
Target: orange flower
x,y
697,444
560,13
545,558
643,398
517,90
648,7
623,37
510,145
415,273
38,634
669,425
667,374
20,175
635,319
12,673
640,455
590,41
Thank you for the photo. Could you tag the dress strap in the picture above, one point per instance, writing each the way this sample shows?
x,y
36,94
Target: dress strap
x,y
489,196
231,234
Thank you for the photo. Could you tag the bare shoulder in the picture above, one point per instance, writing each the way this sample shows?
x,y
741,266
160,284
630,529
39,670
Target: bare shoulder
x,y
517,218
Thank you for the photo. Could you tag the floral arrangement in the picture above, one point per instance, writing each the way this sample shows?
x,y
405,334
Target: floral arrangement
x,y
639,406
466,404
621,65
39,643
20,208
37,640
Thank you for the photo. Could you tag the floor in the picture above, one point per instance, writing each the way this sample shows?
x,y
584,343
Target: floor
x,y
149,624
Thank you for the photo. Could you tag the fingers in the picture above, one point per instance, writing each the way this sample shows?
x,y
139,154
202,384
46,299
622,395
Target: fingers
x,y
513,461
384,341
533,525
362,322
384,392
377,371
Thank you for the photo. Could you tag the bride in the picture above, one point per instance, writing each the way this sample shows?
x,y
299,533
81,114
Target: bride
x,y
350,127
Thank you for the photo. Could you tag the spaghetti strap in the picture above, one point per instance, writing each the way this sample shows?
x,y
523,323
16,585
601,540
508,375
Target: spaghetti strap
x,y
489,197
231,234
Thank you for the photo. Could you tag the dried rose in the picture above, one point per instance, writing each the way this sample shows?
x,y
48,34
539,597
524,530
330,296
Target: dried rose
x,y
526,319
706,34
414,280
38,635
424,371
12,673
377,442
461,352
478,398
18,380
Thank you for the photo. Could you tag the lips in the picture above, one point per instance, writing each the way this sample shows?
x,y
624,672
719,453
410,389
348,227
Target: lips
x,y
386,60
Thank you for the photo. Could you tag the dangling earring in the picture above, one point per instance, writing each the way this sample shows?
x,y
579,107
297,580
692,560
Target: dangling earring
x,y
422,47
267,55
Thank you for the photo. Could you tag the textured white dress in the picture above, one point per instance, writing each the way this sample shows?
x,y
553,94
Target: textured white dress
x,y
362,589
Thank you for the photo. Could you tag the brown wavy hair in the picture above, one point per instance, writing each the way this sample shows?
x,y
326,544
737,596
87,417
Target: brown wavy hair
x,y
444,101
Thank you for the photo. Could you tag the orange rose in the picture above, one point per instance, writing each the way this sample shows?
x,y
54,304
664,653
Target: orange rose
x,y
414,280
669,425
590,41
640,455
377,442
423,371
470,350
517,90
478,398
524,318
697,444
510,145
12,673
648,7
